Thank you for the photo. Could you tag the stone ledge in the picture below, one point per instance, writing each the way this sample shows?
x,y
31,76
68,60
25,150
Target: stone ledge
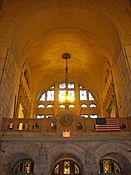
x,y
58,136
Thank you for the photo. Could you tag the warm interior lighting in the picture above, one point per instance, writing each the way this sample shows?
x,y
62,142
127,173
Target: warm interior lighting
x,y
66,133
66,98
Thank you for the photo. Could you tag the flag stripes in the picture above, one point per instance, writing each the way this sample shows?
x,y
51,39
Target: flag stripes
x,y
107,124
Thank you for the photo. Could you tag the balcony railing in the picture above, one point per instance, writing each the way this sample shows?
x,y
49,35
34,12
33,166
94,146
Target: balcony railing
x,y
82,125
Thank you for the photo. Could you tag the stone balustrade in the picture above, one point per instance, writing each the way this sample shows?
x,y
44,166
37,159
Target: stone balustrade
x,y
55,125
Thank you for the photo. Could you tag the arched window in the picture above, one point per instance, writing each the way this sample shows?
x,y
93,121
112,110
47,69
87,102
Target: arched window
x,y
80,98
41,106
66,167
108,166
25,166
49,106
84,106
92,105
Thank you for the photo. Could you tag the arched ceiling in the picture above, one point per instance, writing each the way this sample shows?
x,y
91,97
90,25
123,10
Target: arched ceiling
x,y
41,38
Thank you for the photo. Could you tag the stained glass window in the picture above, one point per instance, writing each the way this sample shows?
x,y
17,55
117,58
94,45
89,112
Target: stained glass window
x,y
77,170
57,169
65,167
109,166
25,166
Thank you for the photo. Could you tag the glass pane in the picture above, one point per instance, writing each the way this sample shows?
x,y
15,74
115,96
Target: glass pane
x,y
49,116
84,115
71,106
52,87
81,87
90,96
27,167
93,116
92,106
106,166
71,85
62,106
62,85
17,168
50,106
77,171
84,106
116,168
40,116
41,106
66,167
43,97
50,95
57,169
71,94
62,94
83,95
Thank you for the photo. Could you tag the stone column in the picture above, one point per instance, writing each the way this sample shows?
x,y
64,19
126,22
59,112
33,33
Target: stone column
x,y
90,162
41,161
3,58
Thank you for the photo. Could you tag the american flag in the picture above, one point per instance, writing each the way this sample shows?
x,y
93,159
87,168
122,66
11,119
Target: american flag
x,y
107,124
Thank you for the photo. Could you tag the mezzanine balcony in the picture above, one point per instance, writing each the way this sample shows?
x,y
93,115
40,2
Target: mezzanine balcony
x,y
52,129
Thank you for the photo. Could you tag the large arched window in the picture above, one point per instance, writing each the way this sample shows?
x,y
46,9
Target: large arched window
x,y
66,167
82,99
109,166
25,166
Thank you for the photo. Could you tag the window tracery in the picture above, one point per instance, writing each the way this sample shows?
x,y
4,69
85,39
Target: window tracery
x,y
25,166
82,98
66,167
109,166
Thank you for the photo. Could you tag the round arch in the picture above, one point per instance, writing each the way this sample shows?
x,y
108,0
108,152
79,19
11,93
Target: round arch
x,y
121,160
68,157
13,160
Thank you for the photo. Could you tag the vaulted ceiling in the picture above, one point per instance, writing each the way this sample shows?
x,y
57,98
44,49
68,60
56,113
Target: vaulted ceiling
x,y
40,33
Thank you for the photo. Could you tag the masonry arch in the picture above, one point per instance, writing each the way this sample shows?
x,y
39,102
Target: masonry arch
x,y
122,163
67,164
16,163
77,35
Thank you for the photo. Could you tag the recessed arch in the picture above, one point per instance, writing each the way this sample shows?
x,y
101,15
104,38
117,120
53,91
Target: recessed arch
x,y
70,158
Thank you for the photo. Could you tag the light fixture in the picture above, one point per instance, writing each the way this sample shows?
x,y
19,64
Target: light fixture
x,y
66,99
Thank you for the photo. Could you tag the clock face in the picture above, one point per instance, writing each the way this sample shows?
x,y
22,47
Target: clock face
x,y
66,120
